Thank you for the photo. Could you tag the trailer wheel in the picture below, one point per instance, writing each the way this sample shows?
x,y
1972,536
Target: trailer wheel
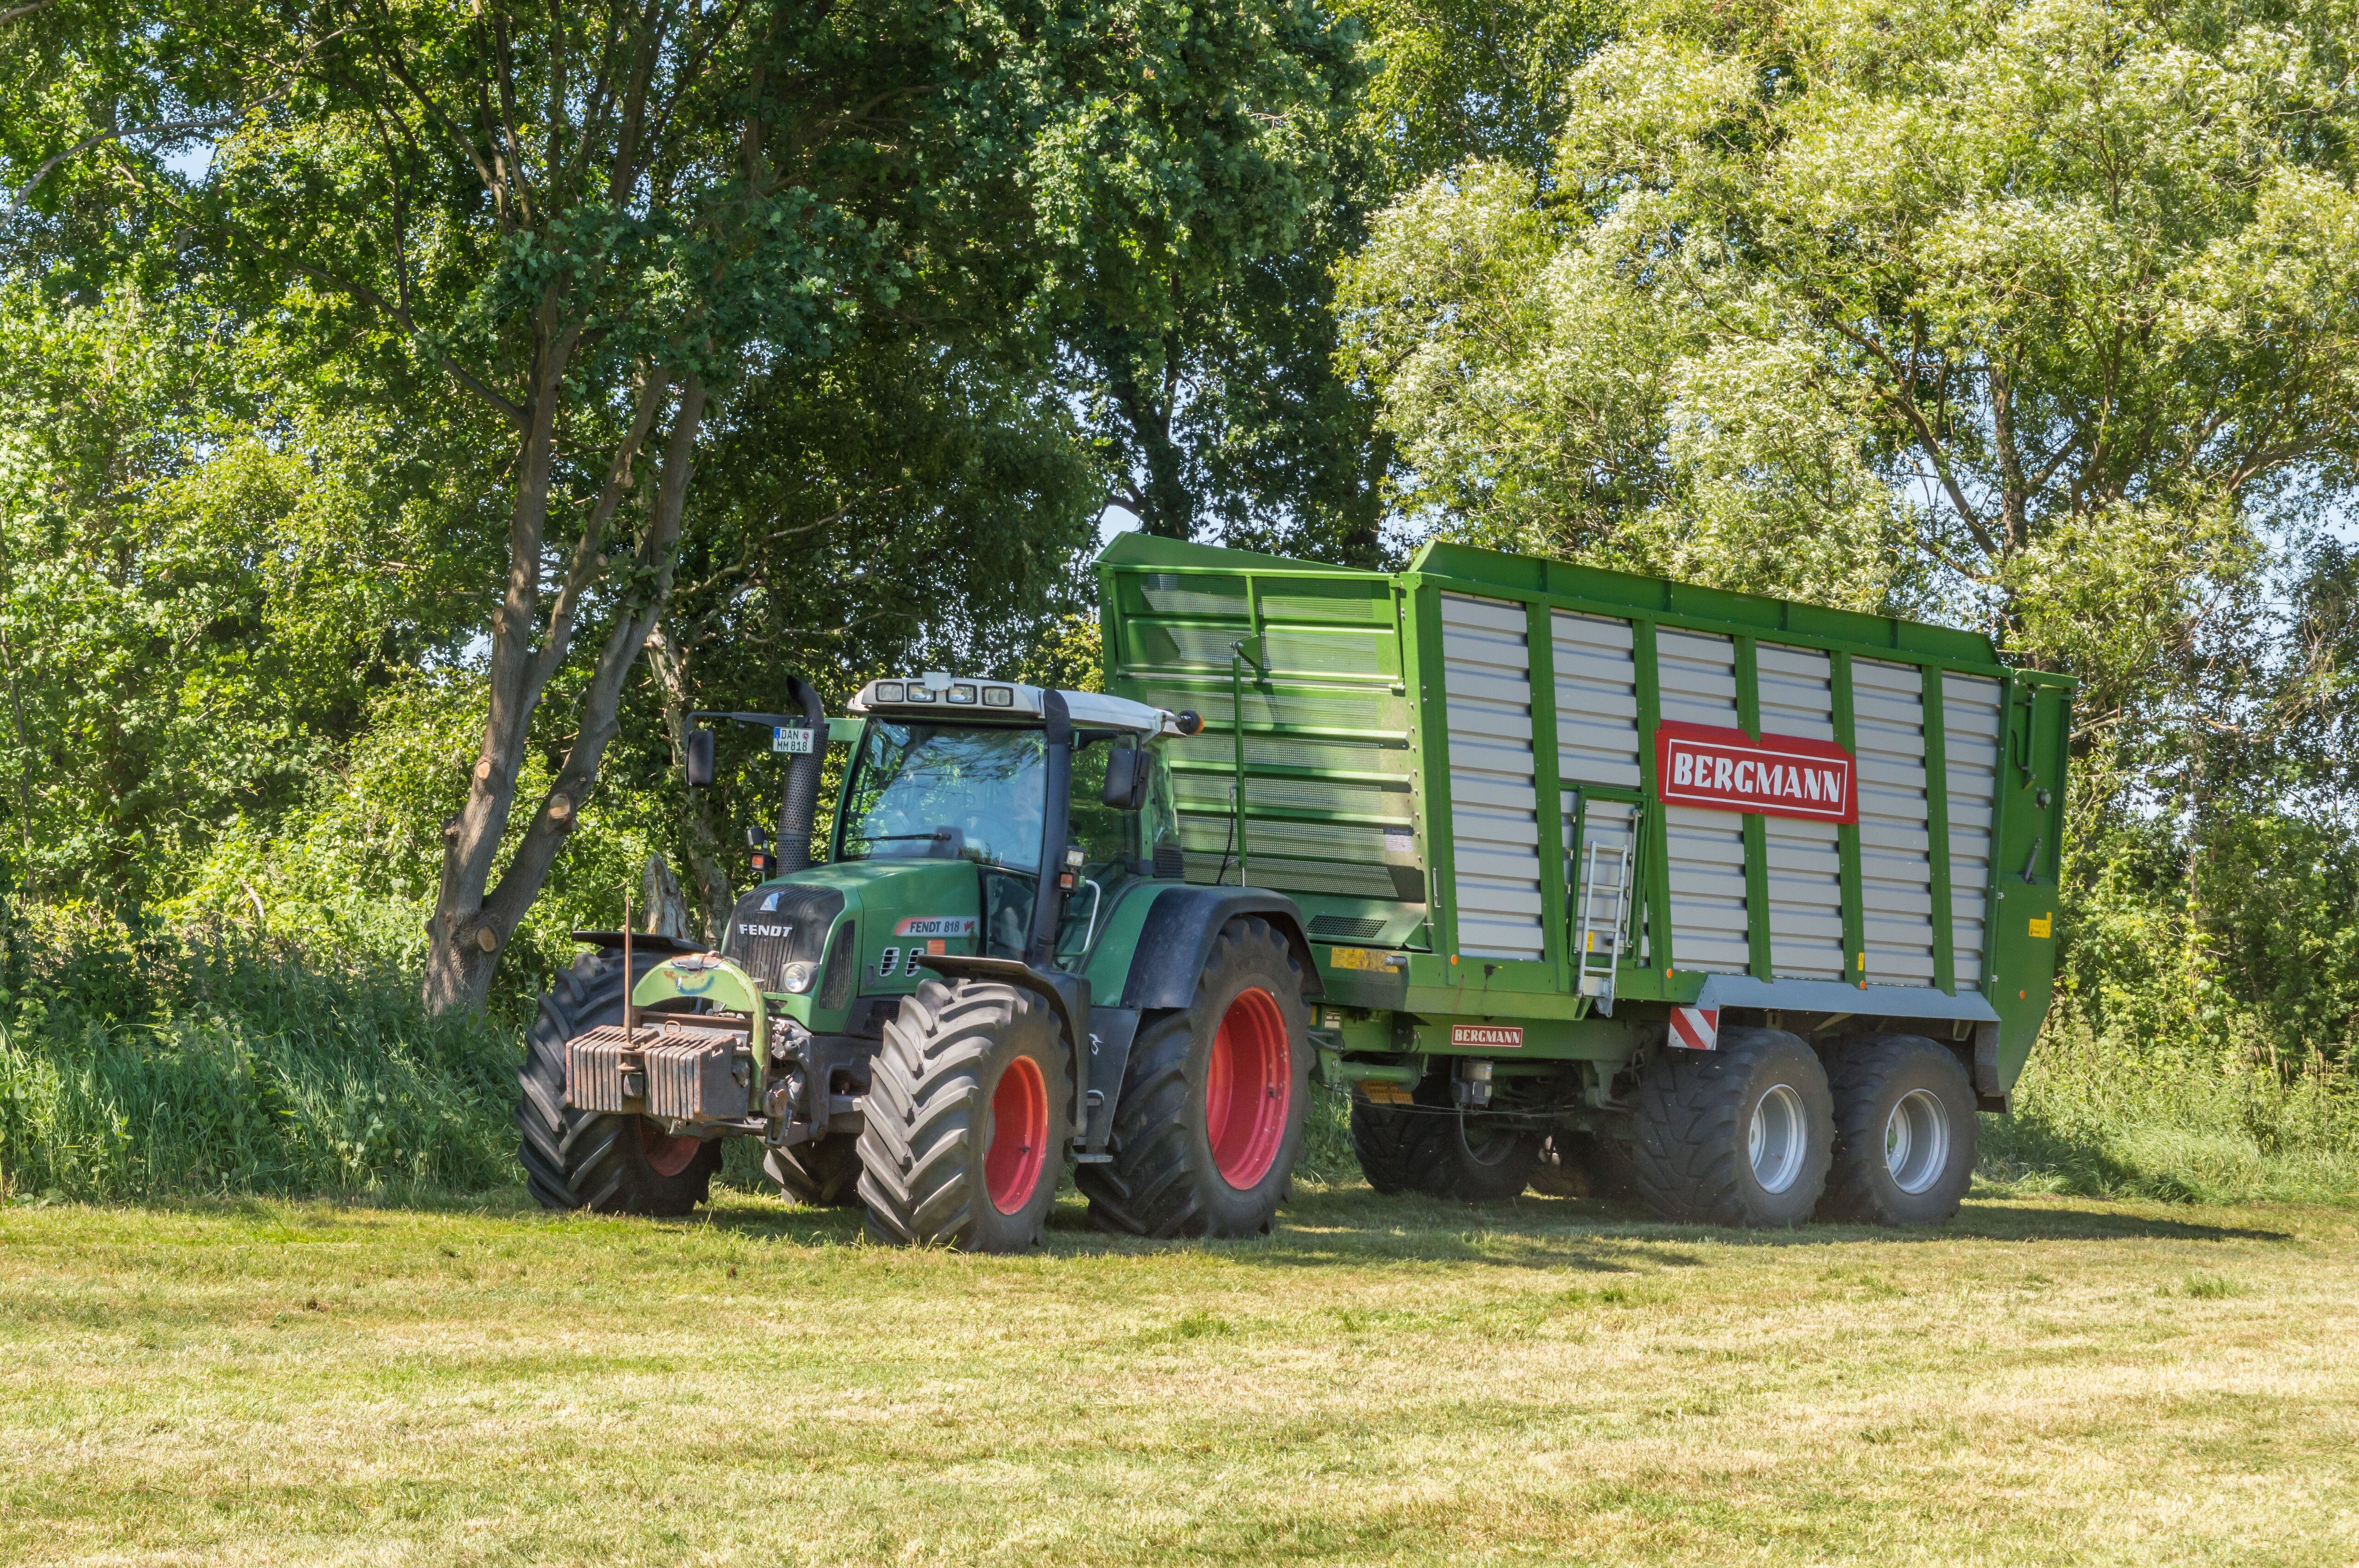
x,y
1905,1133
1210,1121
1574,1164
821,1174
574,1159
965,1130
1382,1137
1738,1136
1471,1159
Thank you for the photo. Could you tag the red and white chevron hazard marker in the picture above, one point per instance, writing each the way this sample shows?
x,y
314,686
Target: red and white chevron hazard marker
x,y
1695,1028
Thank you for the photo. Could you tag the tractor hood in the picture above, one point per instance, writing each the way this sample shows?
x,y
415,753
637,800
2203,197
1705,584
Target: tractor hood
x,y
819,940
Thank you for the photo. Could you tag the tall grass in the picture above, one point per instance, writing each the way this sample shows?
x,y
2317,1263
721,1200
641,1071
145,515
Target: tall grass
x,y
199,1062
133,1066
2103,1117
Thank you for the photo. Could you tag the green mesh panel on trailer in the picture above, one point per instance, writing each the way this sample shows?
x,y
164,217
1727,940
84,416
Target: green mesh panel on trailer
x,y
1328,778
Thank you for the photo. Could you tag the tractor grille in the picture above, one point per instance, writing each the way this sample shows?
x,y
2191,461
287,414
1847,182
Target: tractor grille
x,y
773,926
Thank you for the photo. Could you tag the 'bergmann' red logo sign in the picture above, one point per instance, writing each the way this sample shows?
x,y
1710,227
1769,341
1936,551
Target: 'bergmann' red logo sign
x,y
1778,776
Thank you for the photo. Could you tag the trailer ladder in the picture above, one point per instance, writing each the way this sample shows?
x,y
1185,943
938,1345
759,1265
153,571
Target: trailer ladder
x,y
1599,943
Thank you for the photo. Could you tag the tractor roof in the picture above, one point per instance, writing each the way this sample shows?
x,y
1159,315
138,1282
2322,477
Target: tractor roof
x,y
939,696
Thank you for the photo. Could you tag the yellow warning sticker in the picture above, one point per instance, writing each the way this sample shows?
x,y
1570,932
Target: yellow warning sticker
x,y
2040,924
1367,958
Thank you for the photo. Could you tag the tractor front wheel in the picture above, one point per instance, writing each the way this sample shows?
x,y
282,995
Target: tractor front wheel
x,y
965,1132
1210,1121
576,1159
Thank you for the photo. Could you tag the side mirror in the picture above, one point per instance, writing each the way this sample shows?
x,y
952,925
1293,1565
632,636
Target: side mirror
x,y
699,759
1125,780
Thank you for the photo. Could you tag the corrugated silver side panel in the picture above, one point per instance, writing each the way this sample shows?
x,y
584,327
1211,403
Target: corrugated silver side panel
x,y
1697,677
1805,861
1896,866
1494,809
1596,702
1971,712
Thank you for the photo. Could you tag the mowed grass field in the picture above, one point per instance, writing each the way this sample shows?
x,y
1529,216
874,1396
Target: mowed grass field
x,y
1380,1382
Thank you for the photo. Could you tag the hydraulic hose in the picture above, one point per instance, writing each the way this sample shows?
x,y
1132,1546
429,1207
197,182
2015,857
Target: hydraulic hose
x,y
1048,905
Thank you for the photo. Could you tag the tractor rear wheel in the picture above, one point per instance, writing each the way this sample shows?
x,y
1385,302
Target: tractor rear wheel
x,y
1210,1121
966,1120
1905,1133
821,1174
574,1159
1738,1136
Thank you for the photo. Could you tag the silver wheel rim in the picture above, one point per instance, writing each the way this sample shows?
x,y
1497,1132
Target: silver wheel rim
x,y
1775,1141
1915,1142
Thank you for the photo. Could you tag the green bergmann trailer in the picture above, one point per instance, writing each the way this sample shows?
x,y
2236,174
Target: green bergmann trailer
x,y
1743,903
1572,880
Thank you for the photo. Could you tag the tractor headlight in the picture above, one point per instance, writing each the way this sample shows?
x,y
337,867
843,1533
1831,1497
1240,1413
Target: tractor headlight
x,y
796,978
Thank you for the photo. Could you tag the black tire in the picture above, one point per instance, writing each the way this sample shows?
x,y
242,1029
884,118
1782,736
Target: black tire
x,y
934,1118
1936,1135
1429,1148
1165,1178
573,1159
1382,1136
822,1174
1690,1160
1574,1164
1471,1158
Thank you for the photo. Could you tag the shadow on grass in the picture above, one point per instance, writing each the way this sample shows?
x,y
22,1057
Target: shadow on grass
x,y
1326,1225
1350,1224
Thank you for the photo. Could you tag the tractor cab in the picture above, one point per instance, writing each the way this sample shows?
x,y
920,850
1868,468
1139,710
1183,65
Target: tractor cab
x,y
959,771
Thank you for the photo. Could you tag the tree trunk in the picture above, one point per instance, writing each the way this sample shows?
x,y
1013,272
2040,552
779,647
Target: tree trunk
x,y
670,661
471,927
667,909
1167,508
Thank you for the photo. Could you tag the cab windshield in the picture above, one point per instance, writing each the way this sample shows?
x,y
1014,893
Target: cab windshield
x,y
946,792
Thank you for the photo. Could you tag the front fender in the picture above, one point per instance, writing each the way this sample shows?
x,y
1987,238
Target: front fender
x,y
1178,934
714,980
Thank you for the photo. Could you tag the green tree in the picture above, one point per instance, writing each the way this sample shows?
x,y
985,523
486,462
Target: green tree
x,y
2038,316
594,225
2009,309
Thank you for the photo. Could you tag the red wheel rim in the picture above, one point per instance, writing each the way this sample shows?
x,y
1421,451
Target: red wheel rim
x,y
667,1154
1019,1136
1248,1089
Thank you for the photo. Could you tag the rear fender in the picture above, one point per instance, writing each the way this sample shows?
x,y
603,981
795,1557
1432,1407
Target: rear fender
x,y
1179,935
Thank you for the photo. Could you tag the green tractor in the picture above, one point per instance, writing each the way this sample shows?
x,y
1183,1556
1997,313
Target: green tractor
x,y
997,972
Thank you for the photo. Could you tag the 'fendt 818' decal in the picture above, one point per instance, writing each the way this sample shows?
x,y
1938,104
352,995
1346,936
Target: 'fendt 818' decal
x,y
936,926
1778,776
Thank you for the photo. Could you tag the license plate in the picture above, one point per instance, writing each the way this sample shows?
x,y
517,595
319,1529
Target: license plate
x,y
796,739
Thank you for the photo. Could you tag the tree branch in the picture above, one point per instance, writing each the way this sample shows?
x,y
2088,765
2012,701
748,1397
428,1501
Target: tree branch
x,y
164,128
